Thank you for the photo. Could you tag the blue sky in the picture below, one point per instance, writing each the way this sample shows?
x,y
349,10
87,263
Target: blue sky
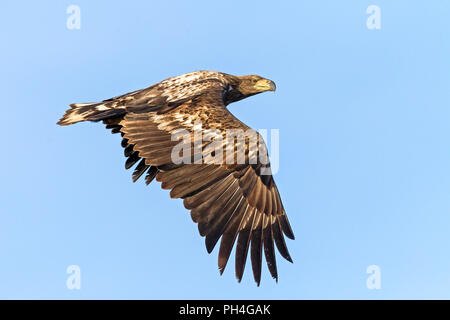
x,y
364,147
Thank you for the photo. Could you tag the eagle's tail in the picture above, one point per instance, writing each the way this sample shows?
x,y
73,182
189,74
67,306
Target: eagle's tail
x,y
90,112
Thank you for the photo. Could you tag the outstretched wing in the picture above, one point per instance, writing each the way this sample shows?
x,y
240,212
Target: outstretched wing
x,y
231,201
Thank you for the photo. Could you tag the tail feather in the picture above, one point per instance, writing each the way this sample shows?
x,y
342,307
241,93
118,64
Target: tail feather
x,y
96,111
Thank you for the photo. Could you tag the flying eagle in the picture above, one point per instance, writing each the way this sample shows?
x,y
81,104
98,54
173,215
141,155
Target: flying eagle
x,y
228,200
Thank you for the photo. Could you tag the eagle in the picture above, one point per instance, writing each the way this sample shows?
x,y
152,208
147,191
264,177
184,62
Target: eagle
x,y
234,201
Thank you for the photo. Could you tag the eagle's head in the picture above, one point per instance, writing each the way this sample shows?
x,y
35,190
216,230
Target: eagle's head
x,y
245,86
250,85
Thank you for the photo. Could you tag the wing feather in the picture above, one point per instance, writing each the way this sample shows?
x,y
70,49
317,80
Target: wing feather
x,y
269,251
243,242
256,249
229,236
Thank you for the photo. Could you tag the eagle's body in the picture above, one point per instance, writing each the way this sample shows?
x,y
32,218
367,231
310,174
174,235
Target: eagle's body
x,y
228,200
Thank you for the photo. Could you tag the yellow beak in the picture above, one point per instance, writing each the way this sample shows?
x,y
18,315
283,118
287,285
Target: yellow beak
x,y
265,85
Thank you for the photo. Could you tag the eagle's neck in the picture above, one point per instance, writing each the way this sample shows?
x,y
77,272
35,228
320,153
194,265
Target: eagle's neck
x,y
231,95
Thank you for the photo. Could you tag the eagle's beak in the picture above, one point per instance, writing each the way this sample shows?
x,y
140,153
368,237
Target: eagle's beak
x,y
265,85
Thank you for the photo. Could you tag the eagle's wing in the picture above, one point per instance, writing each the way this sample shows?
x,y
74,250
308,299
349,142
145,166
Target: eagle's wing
x,y
231,201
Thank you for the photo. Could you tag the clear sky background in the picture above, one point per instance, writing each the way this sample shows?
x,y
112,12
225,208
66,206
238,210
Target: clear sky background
x,y
364,147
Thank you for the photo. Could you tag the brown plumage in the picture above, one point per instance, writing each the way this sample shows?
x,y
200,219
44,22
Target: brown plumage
x,y
231,201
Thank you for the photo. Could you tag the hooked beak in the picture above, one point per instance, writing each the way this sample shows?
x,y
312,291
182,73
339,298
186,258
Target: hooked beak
x,y
265,85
